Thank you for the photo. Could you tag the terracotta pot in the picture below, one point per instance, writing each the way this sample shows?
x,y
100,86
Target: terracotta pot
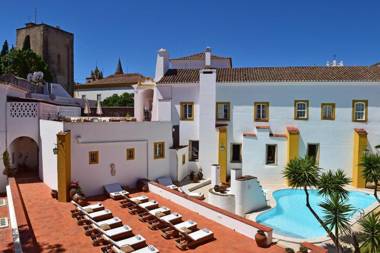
x,y
261,239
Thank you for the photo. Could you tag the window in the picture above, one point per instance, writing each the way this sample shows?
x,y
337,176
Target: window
x,y
193,150
222,111
327,111
98,97
360,110
313,152
301,109
130,154
271,154
187,110
93,157
183,159
236,153
261,111
159,150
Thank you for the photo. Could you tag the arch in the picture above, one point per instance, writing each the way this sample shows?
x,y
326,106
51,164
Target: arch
x,y
143,104
24,156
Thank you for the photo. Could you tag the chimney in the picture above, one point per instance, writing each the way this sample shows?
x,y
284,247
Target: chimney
x,y
208,57
162,64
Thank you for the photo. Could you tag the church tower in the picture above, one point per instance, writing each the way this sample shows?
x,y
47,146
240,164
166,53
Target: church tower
x,y
55,46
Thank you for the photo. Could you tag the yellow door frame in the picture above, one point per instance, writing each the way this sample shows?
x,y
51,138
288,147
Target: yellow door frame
x,y
222,154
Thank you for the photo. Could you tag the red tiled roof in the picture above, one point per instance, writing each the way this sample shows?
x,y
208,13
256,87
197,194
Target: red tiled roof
x,y
249,134
278,74
278,135
360,130
292,130
263,127
200,56
114,81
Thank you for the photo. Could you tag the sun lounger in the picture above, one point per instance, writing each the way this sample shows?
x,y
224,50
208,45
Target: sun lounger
x,y
186,227
130,202
95,216
115,191
128,245
165,221
105,225
115,234
194,239
88,209
143,207
167,181
155,213
147,249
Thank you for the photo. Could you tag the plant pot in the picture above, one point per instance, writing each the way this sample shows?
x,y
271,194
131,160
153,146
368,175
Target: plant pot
x,y
261,239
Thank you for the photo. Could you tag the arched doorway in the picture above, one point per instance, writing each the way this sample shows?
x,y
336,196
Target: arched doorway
x,y
23,152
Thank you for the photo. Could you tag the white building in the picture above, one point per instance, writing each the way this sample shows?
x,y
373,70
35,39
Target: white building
x,y
258,118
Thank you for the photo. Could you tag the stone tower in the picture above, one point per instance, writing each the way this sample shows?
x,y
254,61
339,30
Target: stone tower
x,y
55,46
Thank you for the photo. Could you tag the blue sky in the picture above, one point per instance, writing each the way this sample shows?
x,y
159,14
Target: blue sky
x,y
253,33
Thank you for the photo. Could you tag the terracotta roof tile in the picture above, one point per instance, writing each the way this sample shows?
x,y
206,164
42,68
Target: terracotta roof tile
x,y
361,131
278,74
199,56
292,130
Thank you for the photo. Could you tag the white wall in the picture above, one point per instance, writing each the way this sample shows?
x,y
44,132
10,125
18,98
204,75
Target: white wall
x,y
48,160
112,139
335,137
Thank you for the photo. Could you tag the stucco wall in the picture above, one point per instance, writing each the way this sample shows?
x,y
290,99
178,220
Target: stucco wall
x,y
112,139
91,94
48,160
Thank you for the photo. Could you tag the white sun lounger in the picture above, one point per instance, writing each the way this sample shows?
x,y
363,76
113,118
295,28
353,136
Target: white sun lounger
x,y
110,223
89,208
167,181
115,191
100,215
139,199
115,233
149,204
202,233
162,209
133,241
171,217
183,226
147,249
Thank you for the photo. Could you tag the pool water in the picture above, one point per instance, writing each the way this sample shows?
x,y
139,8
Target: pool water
x,y
292,218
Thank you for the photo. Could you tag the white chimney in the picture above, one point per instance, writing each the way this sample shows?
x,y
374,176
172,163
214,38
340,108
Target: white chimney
x,y
162,64
208,57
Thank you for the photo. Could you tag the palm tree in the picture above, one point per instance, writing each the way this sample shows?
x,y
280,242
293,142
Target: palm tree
x,y
331,183
337,215
303,173
371,233
371,170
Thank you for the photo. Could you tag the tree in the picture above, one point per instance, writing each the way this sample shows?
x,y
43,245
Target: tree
x,y
5,49
26,44
125,99
23,62
337,215
371,170
303,173
371,233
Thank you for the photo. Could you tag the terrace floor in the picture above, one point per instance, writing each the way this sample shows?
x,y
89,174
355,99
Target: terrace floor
x,y
5,233
56,231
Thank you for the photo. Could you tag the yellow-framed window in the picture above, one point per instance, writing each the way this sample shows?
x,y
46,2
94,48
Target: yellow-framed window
x,y
261,111
159,150
222,110
328,111
359,110
187,110
130,153
93,157
301,109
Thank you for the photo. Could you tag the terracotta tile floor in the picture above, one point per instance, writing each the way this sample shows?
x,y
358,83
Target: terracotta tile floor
x,y
5,233
56,231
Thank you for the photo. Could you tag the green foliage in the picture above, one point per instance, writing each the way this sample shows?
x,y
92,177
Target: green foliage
x,y
5,49
26,44
371,170
125,99
371,233
331,183
8,171
302,172
23,62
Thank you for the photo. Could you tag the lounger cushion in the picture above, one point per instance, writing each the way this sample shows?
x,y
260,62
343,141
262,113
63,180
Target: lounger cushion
x,y
110,188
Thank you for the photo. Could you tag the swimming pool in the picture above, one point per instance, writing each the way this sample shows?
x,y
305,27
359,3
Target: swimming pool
x,y
291,217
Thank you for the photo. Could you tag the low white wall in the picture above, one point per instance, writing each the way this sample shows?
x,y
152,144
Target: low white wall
x,y
223,219
183,170
249,196
48,160
224,201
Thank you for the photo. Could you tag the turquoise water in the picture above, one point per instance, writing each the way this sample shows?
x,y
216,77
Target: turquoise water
x,y
292,218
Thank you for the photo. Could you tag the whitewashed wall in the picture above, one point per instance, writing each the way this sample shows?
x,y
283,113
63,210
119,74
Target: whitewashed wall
x,y
48,160
107,92
335,137
112,139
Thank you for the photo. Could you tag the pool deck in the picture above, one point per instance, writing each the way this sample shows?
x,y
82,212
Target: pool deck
x,y
56,231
